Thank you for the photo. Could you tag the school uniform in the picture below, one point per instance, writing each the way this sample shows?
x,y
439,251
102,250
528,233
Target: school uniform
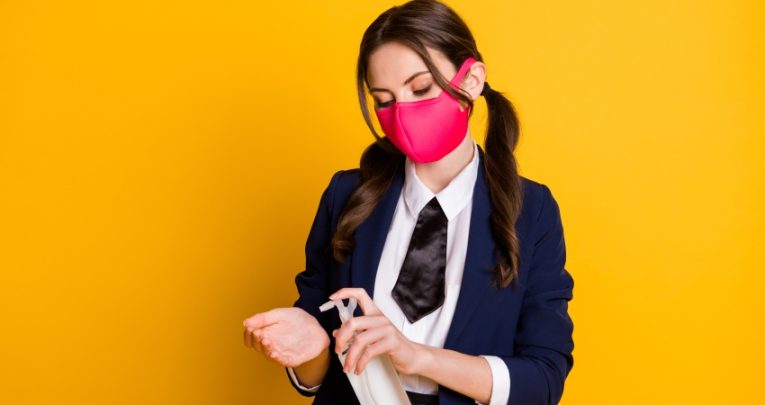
x,y
525,334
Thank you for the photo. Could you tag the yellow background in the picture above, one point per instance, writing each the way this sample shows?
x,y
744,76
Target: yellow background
x,y
161,163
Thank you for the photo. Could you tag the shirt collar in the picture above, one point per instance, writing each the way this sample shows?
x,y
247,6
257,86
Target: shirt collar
x,y
453,198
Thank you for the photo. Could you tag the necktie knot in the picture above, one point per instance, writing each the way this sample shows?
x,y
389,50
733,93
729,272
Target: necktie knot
x,y
432,210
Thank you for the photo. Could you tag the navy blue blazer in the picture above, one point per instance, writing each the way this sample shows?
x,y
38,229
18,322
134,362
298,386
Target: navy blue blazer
x,y
528,327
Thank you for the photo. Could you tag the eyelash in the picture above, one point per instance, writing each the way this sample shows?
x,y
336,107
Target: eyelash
x,y
417,93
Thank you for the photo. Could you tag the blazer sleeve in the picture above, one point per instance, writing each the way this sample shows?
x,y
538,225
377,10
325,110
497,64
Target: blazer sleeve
x,y
313,282
543,357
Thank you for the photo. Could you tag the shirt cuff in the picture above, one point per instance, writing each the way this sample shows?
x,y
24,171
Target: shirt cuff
x,y
500,381
291,372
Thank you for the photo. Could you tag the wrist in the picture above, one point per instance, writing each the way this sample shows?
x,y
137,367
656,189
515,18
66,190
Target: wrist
x,y
425,359
325,351
320,358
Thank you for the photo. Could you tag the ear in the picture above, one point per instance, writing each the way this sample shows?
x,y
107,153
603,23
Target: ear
x,y
474,79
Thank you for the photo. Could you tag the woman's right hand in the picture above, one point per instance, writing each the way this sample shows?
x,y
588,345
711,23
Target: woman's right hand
x,y
288,336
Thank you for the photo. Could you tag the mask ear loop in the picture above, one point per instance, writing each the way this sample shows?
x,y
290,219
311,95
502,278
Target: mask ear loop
x,y
462,72
460,75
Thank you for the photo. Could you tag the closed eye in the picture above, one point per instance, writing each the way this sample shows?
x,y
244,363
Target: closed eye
x,y
422,91
385,104
418,93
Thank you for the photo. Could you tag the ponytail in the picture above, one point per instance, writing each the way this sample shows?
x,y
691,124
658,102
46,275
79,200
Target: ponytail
x,y
378,167
505,188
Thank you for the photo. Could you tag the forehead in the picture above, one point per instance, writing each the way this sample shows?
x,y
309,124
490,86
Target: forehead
x,y
392,63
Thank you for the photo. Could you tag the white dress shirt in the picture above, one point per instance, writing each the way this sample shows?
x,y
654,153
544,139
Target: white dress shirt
x,y
456,199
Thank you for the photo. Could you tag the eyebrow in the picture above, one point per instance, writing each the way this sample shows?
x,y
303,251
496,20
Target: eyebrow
x,y
412,77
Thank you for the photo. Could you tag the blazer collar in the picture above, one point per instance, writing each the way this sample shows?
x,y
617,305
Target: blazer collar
x,y
476,280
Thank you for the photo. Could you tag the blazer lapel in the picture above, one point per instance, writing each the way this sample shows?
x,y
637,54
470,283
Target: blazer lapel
x,y
479,260
370,238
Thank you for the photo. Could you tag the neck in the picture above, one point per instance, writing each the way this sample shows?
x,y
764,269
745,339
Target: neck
x,y
437,175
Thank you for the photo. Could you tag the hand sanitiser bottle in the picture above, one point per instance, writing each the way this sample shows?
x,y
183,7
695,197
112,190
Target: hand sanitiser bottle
x,y
378,384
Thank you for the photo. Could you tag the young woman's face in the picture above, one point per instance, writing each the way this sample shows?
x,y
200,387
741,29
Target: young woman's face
x,y
397,73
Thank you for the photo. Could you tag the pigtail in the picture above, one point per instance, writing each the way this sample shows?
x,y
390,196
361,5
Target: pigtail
x,y
504,183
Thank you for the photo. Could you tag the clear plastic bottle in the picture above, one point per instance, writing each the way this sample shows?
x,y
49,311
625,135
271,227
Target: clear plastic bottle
x,y
379,383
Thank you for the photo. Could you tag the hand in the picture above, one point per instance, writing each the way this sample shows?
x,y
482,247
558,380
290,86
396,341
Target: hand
x,y
373,334
288,336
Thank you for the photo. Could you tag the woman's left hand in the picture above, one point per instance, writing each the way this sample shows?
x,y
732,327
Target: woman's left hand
x,y
375,335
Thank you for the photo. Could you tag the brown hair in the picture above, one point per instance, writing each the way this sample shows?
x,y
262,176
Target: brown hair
x,y
417,24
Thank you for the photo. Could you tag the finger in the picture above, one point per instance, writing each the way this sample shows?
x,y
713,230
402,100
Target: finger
x,y
247,338
360,342
384,345
361,296
359,323
257,338
276,358
261,320
271,350
268,348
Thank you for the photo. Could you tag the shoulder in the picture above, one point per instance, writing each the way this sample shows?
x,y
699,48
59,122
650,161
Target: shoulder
x,y
535,193
341,186
343,182
539,204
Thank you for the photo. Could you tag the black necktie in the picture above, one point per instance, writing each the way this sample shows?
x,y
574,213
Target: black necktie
x,y
419,289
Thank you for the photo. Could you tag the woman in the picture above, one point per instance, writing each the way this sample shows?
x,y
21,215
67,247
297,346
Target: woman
x,y
464,258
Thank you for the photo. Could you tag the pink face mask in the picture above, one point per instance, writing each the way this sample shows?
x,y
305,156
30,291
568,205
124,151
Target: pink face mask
x,y
427,130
